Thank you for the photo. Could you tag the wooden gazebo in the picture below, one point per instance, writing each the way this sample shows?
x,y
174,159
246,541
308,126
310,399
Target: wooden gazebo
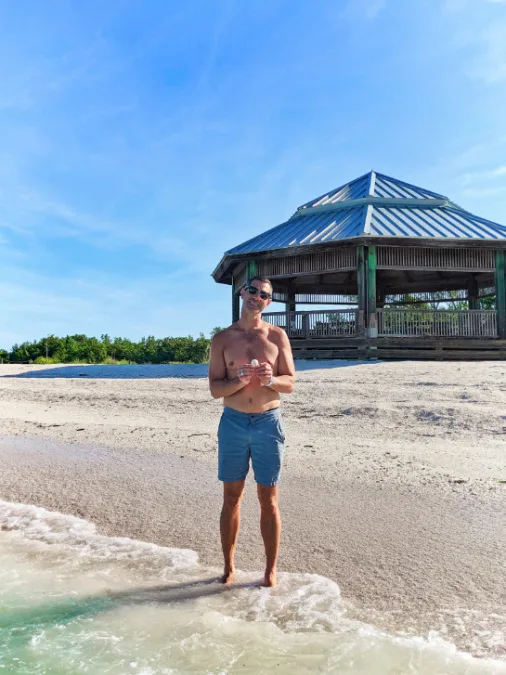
x,y
401,272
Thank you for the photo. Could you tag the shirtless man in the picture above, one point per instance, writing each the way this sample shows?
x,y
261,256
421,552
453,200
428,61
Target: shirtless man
x,y
250,364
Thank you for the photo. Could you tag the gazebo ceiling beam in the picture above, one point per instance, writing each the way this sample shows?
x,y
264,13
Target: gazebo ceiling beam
x,y
392,285
424,287
322,279
388,279
336,289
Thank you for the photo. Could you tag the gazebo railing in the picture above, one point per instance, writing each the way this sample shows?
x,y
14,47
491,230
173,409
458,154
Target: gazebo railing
x,y
390,323
319,323
437,323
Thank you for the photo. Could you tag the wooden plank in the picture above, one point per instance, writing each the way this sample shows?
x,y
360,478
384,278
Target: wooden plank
x,y
398,354
239,275
447,355
235,303
395,287
485,344
362,353
443,343
371,292
361,290
411,257
500,289
326,354
312,264
327,343
441,243
473,301
301,275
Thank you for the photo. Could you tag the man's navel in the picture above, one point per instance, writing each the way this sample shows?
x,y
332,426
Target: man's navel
x,y
250,400
231,363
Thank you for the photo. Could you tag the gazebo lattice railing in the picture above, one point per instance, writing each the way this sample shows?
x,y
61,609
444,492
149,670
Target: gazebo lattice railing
x,y
394,322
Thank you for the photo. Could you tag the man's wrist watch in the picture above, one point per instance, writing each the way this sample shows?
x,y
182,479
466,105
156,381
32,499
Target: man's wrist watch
x,y
271,381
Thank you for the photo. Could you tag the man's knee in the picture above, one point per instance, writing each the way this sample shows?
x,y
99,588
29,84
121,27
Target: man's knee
x,y
268,497
232,494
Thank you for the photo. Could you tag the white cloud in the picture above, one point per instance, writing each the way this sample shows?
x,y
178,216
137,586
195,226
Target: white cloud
x,y
484,191
490,66
454,5
459,5
486,175
368,9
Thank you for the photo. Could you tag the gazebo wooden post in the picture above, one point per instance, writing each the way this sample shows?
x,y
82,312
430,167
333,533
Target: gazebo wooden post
x,y
235,302
361,290
500,293
290,305
380,297
372,330
472,293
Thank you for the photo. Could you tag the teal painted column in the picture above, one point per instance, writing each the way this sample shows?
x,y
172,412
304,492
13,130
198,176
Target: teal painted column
x,y
500,293
235,303
251,270
372,329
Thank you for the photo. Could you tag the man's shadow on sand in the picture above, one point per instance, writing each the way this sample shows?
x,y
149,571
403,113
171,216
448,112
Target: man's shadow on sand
x,y
120,372
158,371
21,623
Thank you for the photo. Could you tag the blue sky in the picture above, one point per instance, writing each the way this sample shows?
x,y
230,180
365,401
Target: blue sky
x,y
140,140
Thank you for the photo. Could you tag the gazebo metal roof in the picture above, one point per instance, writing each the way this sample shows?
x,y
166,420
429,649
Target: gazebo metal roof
x,y
374,205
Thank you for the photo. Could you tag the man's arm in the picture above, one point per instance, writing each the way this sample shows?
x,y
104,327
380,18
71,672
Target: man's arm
x,y
219,385
284,381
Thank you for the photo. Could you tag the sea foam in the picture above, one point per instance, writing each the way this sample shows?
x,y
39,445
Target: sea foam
x,y
75,601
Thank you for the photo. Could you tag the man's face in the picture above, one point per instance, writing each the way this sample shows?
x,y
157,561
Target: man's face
x,y
254,301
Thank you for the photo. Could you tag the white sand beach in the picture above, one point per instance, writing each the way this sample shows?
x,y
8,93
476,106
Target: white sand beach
x,y
394,479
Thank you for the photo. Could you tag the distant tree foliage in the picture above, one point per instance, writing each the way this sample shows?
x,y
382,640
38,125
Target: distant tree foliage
x,y
488,303
450,300
83,349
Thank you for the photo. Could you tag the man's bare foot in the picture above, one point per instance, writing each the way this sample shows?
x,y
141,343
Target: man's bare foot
x,y
228,577
270,579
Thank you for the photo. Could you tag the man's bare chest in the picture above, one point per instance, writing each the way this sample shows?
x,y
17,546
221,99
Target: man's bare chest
x,y
245,349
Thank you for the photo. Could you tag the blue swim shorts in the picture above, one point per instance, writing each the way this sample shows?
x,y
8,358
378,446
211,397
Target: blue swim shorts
x,y
260,436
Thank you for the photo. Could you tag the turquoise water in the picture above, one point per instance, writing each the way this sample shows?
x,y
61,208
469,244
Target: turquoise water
x,y
73,601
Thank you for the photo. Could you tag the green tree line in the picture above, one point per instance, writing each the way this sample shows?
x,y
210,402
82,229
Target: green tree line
x,y
84,349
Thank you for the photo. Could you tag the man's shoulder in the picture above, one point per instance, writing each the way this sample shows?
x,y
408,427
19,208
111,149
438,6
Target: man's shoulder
x,y
275,332
225,334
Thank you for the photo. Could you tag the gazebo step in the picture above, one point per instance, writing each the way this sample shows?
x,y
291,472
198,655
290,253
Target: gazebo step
x,y
401,348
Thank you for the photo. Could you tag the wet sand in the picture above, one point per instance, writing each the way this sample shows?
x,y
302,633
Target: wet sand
x,y
391,484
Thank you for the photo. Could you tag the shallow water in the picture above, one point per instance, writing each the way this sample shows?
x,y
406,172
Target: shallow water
x,y
73,601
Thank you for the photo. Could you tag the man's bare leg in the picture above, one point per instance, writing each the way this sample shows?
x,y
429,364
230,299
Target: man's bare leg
x,y
229,525
270,527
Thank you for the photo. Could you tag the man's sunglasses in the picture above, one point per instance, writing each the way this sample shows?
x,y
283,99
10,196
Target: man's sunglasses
x,y
255,291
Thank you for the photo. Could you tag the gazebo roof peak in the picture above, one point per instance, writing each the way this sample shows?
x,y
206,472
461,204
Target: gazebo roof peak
x,y
373,205
372,185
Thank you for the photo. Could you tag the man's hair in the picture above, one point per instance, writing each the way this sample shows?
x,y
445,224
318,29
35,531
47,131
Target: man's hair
x,y
264,280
